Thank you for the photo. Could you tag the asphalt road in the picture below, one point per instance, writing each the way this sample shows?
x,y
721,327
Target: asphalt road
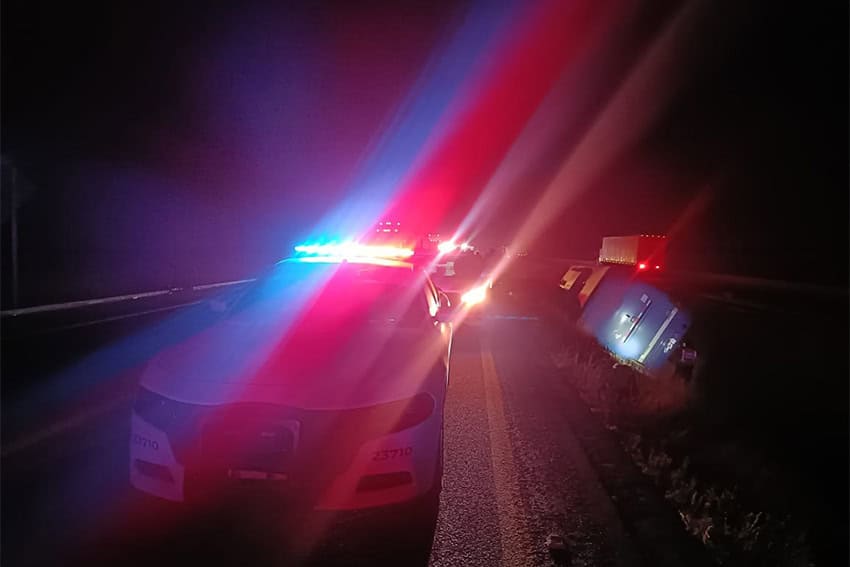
x,y
523,461
515,472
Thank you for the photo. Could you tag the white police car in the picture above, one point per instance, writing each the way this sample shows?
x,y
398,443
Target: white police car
x,y
324,381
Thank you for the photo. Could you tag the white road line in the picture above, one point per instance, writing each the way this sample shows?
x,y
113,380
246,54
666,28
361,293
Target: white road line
x,y
130,315
515,534
69,424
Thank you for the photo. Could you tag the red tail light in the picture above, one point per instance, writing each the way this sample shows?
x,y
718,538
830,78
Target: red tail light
x,y
641,266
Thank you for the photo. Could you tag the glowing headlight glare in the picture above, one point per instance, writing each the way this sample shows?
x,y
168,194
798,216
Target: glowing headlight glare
x,y
475,295
446,247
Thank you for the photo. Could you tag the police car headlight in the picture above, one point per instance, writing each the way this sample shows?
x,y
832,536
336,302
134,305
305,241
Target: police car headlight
x,y
475,295
163,413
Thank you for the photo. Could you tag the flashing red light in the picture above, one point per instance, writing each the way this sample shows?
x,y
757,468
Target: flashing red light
x,y
641,266
657,267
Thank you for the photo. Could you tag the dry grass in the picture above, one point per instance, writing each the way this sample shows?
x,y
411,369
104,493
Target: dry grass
x,y
652,418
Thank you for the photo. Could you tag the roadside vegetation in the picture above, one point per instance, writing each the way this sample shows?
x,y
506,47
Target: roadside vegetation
x,y
729,494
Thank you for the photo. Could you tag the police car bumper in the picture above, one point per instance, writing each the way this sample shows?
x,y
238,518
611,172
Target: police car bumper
x,y
341,472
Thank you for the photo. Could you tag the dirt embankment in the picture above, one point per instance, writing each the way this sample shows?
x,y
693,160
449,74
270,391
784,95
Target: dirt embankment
x,y
728,494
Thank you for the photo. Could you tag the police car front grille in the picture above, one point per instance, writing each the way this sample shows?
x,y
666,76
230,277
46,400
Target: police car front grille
x,y
326,439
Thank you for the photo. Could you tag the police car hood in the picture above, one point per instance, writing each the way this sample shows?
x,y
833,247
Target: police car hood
x,y
310,367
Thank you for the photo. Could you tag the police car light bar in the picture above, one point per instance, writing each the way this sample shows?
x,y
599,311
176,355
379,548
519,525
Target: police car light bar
x,y
354,250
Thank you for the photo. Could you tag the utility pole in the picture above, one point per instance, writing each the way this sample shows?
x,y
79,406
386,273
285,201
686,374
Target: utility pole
x,y
13,201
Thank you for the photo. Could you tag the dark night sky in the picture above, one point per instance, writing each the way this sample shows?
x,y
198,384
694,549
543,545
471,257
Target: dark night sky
x,y
208,133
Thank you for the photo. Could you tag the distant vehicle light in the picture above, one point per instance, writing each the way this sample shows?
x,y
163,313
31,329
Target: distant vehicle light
x,y
446,247
641,266
387,226
475,295
353,250
657,267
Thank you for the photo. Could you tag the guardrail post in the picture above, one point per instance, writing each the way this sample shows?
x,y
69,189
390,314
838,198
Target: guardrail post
x,y
14,235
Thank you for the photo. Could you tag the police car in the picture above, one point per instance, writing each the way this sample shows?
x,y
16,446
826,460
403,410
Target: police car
x,y
323,381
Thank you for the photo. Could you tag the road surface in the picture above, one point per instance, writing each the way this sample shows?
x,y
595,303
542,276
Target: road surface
x,y
524,460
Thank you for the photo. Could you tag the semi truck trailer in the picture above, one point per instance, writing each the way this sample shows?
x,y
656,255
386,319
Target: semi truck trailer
x,y
643,251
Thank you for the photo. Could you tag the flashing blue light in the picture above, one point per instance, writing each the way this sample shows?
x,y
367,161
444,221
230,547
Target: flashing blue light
x,y
353,251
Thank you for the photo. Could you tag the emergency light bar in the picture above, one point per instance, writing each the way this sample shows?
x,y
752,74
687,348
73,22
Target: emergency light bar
x,y
354,250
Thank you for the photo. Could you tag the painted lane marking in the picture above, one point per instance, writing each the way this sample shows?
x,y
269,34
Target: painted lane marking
x,y
514,532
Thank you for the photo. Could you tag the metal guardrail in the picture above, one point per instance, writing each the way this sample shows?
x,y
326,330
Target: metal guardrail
x,y
115,299
672,275
737,280
81,303
758,283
